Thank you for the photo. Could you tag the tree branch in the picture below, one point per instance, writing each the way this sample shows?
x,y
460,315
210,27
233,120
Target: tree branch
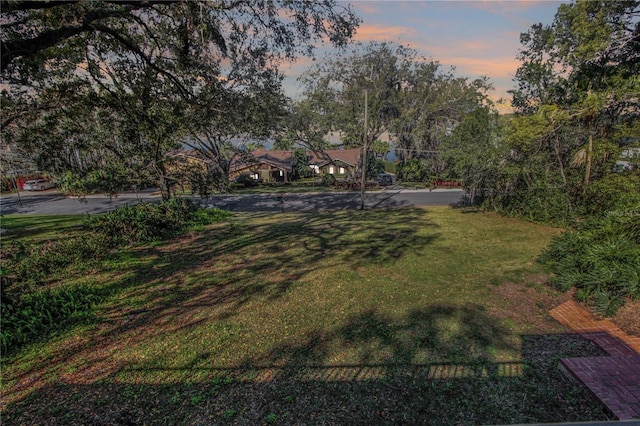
x,y
134,49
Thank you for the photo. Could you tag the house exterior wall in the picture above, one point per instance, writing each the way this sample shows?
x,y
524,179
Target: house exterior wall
x,y
266,172
275,166
340,169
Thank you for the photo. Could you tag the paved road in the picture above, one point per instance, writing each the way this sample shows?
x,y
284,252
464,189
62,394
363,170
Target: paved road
x,y
50,202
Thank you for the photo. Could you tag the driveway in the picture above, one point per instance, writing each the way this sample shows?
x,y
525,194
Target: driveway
x,y
50,202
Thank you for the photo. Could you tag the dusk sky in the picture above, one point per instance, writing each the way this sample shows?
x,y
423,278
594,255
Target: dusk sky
x,y
480,37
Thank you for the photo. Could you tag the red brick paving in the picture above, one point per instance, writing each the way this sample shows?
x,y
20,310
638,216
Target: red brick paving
x,y
575,317
614,379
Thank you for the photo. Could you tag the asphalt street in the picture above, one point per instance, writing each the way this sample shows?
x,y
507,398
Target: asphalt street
x,y
50,202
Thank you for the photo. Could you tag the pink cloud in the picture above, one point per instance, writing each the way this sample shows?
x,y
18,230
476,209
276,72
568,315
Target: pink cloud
x,y
494,67
383,33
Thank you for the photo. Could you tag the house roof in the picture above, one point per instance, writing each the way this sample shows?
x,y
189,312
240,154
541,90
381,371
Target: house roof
x,y
348,156
282,160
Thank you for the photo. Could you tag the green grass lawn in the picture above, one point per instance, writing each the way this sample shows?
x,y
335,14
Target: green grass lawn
x,y
435,316
40,228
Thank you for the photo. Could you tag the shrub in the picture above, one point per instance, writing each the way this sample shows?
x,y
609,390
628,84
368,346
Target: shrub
x,y
246,180
616,193
329,180
145,222
32,264
414,170
601,260
540,204
29,311
37,314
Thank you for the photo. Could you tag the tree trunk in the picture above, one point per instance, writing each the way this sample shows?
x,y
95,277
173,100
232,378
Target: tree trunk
x,y
561,164
587,173
163,182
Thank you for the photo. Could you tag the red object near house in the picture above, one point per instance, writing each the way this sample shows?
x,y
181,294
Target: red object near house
x,y
20,181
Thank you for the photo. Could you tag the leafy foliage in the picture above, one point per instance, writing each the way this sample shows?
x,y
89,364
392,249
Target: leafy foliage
x,y
329,180
374,166
409,96
601,260
614,194
29,310
33,264
301,168
94,85
577,105
414,170
144,222
37,314
474,149
246,180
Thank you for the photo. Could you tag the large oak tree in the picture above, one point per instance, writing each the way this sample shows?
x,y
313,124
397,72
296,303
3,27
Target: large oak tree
x,y
156,73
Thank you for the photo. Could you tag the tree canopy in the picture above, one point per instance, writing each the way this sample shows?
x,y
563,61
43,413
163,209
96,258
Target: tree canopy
x,y
91,83
577,106
410,97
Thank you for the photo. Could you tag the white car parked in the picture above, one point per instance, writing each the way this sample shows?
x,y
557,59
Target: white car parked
x,y
38,185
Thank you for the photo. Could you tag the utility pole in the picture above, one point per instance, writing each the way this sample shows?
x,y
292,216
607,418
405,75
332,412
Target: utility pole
x,y
15,184
363,155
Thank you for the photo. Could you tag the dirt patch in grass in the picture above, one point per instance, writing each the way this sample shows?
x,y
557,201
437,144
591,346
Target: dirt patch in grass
x,y
527,305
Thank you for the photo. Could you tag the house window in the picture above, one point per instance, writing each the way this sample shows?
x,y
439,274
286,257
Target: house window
x,y
281,173
331,170
256,176
341,171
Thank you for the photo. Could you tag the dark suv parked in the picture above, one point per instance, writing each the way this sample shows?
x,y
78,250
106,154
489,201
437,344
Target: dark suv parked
x,y
385,179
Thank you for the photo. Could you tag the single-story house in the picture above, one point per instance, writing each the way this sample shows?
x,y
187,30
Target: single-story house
x,y
265,166
277,166
338,162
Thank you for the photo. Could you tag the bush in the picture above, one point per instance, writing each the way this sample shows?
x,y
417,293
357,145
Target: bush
x,y
374,167
29,311
616,193
246,180
601,260
414,170
34,263
37,314
145,222
329,180
540,204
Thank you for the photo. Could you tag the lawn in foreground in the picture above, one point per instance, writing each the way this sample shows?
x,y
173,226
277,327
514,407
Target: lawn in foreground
x,y
432,316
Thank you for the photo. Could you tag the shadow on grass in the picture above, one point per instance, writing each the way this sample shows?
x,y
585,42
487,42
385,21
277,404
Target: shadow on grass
x,y
22,227
434,365
299,384
261,260
317,202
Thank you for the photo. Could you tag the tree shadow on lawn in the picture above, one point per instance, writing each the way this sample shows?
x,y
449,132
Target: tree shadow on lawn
x,y
209,276
21,227
301,383
246,261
